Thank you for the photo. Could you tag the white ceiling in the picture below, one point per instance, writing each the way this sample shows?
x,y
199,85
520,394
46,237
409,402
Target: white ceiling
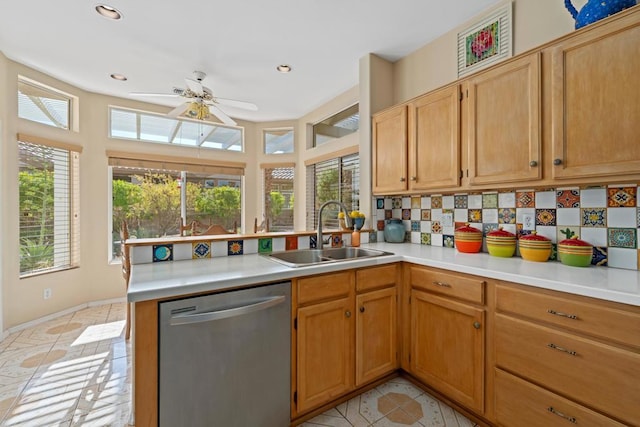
x,y
238,43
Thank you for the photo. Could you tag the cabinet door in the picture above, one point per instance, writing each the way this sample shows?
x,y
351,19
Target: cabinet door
x,y
596,107
503,123
389,153
376,342
447,347
434,140
325,341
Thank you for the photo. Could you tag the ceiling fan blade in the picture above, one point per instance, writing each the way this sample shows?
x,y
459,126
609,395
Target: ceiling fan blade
x,y
178,110
238,104
194,86
221,115
153,94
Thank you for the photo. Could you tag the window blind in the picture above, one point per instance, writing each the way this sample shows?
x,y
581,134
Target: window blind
x,y
49,208
334,179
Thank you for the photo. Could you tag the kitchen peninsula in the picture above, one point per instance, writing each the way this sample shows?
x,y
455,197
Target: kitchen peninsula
x,y
486,297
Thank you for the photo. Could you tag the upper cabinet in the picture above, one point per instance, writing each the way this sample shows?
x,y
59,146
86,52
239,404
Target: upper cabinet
x,y
389,151
434,140
503,137
595,102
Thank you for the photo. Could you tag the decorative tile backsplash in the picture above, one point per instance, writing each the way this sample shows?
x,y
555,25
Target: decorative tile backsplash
x,y
607,217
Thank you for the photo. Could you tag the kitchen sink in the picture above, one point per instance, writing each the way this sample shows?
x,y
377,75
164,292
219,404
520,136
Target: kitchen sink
x,y
304,257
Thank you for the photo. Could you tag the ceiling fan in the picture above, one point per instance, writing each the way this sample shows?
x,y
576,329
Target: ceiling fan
x,y
200,101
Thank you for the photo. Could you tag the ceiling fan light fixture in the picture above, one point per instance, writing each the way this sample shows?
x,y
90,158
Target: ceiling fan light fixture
x,y
284,68
118,76
108,12
197,110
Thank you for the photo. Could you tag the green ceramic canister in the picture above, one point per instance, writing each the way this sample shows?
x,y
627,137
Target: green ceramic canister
x,y
394,231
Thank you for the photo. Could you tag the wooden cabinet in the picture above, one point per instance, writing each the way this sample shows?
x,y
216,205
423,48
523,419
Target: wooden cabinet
x,y
325,338
595,102
344,333
417,146
434,140
503,135
448,334
376,323
389,150
560,343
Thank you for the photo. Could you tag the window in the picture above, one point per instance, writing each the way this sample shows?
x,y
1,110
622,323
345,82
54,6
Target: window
x,y
49,216
42,104
147,195
335,179
341,124
158,128
278,141
278,198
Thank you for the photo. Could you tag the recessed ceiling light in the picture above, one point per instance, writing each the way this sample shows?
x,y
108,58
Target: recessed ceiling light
x,y
108,12
284,68
120,77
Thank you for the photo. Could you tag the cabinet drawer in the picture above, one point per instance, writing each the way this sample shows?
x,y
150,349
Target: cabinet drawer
x,y
565,310
324,287
464,287
376,277
597,375
518,401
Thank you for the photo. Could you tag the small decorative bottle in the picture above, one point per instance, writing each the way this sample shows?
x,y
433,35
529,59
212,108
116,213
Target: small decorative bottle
x,y
355,238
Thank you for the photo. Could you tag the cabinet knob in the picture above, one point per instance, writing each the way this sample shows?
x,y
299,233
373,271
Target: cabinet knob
x,y
362,309
476,325
557,162
533,163
403,179
347,313
413,178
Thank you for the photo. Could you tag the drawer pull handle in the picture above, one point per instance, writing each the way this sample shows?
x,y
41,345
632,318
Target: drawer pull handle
x,y
561,415
561,314
557,347
444,285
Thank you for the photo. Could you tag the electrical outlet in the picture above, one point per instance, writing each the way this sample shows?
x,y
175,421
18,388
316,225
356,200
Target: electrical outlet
x,y
447,220
528,223
47,293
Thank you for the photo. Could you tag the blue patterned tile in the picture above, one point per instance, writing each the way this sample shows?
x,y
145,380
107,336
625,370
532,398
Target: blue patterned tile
x,y
415,225
461,201
600,256
507,216
235,247
406,214
200,250
621,238
380,203
488,227
373,237
162,253
593,217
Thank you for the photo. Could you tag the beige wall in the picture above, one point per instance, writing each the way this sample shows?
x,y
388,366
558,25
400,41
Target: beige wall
x,y
535,22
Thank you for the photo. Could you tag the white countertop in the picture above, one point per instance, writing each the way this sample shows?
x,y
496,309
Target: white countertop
x,y
178,278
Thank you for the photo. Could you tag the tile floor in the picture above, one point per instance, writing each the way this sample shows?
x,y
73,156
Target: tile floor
x,y
75,370
396,403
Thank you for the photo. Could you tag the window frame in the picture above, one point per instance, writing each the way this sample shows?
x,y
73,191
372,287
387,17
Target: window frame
x,y
71,102
264,140
71,204
174,133
334,117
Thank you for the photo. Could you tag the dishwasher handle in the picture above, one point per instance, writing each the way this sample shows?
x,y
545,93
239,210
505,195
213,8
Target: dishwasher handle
x,y
208,316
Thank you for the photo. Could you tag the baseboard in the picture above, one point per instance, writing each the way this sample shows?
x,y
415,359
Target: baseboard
x,y
53,316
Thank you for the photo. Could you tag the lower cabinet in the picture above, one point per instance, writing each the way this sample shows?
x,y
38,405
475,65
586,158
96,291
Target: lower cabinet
x,y
568,358
344,333
448,334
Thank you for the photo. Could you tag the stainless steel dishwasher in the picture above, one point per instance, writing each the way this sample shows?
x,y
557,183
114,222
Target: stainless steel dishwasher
x,y
224,359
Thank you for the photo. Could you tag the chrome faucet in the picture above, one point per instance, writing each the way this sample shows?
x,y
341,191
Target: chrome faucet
x,y
320,241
